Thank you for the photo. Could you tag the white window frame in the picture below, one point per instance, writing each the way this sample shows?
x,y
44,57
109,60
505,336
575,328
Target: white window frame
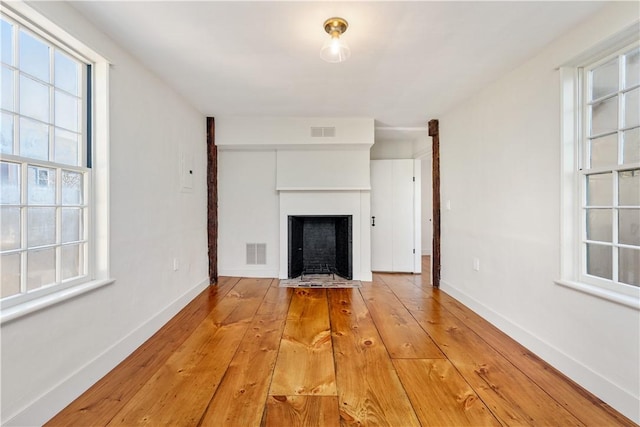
x,y
573,116
97,190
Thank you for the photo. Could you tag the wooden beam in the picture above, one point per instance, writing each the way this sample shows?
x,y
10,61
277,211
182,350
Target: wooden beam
x,y
434,133
212,200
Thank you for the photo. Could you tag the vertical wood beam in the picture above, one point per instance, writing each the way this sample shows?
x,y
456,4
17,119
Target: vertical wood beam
x,y
434,133
212,200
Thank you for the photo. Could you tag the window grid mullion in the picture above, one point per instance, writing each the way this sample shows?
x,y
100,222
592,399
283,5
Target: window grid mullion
x,y
614,239
58,250
24,229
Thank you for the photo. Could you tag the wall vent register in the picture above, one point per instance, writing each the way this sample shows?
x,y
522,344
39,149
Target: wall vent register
x,y
256,253
323,132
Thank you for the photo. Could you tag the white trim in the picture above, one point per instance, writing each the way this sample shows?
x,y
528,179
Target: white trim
x,y
31,306
620,399
323,188
53,400
606,294
266,273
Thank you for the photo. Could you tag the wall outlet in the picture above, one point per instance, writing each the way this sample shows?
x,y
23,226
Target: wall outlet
x,y
476,264
448,205
176,264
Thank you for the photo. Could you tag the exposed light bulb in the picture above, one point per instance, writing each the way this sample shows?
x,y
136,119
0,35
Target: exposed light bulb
x,y
334,48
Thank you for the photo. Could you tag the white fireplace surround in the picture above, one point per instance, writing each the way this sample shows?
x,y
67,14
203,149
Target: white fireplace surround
x,y
346,202
271,168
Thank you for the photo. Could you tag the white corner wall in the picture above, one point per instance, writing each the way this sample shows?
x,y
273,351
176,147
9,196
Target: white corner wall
x,y
500,171
51,356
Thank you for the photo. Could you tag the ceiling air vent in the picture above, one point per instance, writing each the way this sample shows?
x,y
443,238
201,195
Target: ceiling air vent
x,y
256,253
323,132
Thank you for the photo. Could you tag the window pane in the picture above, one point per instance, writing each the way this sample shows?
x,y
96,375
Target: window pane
x,y
599,223
7,42
6,75
6,133
631,146
71,188
41,226
599,190
41,268
629,226
632,108
10,230
604,116
599,260
66,147
605,79
632,69
71,259
41,188
34,139
34,56
66,73
10,277
604,151
71,225
10,194
629,188
629,266
67,114
34,99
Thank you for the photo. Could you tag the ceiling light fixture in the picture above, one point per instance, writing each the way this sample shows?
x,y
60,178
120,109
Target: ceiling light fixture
x,y
335,49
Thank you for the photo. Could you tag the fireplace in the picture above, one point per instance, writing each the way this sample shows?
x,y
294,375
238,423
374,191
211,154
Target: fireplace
x,y
320,245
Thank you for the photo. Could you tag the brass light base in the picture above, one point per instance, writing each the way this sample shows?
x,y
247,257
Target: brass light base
x,y
335,25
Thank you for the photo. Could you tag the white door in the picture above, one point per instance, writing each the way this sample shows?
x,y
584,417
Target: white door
x,y
381,215
392,210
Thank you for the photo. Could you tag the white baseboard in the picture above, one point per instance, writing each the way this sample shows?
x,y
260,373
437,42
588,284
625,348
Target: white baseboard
x,y
266,273
618,398
57,398
426,252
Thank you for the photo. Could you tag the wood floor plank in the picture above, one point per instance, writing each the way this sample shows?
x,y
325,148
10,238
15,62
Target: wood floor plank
x,y
103,400
180,391
213,363
242,394
302,411
440,395
582,404
510,395
402,335
305,363
369,390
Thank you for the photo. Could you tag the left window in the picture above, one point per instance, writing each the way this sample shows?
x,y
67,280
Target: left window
x,y
45,164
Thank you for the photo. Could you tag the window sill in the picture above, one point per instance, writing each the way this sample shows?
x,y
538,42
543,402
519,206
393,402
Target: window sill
x,y
618,298
12,313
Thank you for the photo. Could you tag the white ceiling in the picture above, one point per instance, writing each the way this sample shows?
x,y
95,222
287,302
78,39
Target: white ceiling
x,y
411,61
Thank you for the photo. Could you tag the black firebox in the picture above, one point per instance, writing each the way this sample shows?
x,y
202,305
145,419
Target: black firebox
x,y
320,245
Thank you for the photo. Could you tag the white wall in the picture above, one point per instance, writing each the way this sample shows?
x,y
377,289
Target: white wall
x,y
248,209
51,356
396,149
500,154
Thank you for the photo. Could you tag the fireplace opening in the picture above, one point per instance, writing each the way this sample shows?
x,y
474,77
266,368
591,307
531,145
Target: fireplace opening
x,y
320,245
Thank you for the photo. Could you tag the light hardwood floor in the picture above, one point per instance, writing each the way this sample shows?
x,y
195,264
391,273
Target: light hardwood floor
x,y
395,352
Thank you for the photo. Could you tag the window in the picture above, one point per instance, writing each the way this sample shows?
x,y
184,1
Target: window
x,y
610,172
601,171
48,190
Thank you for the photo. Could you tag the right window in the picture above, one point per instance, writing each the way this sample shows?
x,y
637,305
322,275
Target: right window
x,y
610,170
